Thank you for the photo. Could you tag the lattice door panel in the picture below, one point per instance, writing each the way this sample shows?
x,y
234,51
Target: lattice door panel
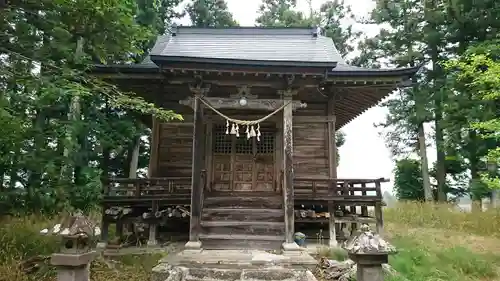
x,y
245,163
243,172
264,162
222,161
222,172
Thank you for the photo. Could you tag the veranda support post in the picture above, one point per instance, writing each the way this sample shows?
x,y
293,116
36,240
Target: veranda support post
x,y
288,195
332,170
196,182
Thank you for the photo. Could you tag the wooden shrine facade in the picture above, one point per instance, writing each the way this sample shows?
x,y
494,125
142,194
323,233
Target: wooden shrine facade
x,y
250,185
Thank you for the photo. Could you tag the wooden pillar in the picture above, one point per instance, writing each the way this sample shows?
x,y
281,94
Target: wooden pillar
x,y
378,210
288,200
153,227
364,208
332,170
196,187
208,152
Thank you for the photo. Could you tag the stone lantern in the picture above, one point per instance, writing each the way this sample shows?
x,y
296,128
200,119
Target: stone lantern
x,y
369,251
73,260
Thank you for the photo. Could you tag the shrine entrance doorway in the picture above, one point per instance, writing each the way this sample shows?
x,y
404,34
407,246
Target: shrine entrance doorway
x,y
242,164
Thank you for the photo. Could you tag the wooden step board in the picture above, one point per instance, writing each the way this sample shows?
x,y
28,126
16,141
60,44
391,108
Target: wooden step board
x,y
243,228
236,222
243,214
255,202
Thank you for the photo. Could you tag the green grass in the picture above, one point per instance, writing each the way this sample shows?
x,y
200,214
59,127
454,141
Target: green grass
x,y
434,243
417,261
20,239
444,216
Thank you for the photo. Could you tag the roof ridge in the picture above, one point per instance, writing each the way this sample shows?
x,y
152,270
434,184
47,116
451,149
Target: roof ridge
x,y
242,27
302,31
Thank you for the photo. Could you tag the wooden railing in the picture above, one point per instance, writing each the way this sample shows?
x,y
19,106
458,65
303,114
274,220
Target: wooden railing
x,y
156,187
338,190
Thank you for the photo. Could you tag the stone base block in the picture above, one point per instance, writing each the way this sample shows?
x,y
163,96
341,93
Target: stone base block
x,y
152,243
290,247
193,245
72,260
333,243
185,273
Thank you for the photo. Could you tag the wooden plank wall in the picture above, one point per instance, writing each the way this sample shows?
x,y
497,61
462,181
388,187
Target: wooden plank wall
x,y
175,148
310,147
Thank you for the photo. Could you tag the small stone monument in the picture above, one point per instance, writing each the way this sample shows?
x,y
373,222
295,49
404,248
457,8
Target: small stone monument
x,y
77,234
370,252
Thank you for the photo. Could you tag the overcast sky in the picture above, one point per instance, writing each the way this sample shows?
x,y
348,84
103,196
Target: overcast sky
x,y
364,154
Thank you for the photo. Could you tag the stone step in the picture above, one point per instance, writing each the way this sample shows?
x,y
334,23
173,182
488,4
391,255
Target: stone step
x,y
181,273
243,214
195,274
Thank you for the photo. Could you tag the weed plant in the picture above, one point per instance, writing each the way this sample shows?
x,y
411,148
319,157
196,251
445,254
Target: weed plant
x,y
435,243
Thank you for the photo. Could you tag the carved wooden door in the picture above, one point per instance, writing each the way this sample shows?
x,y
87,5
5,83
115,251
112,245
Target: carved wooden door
x,y
241,164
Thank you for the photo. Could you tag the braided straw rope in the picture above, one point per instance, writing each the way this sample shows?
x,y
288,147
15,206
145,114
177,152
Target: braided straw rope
x,y
243,122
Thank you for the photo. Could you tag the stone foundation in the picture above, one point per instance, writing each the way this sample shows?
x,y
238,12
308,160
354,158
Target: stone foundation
x,y
235,265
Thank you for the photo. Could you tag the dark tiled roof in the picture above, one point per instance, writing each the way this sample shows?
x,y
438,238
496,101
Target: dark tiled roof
x,y
250,45
247,44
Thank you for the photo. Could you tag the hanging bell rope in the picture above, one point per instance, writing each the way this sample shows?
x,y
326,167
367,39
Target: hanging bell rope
x,y
252,126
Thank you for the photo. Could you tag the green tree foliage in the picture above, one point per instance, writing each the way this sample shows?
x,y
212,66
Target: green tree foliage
x,y
433,32
154,15
478,72
408,180
210,13
330,17
400,44
339,141
64,129
282,13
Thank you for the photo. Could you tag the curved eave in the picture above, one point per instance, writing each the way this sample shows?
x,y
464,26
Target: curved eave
x,y
351,71
357,100
159,60
126,69
366,88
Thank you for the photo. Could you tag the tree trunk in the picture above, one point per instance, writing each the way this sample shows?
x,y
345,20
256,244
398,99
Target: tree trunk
x,y
422,147
73,115
494,199
435,76
134,159
106,150
440,157
474,171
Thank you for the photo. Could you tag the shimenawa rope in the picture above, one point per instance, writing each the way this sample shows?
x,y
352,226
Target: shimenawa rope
x,y
251,131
